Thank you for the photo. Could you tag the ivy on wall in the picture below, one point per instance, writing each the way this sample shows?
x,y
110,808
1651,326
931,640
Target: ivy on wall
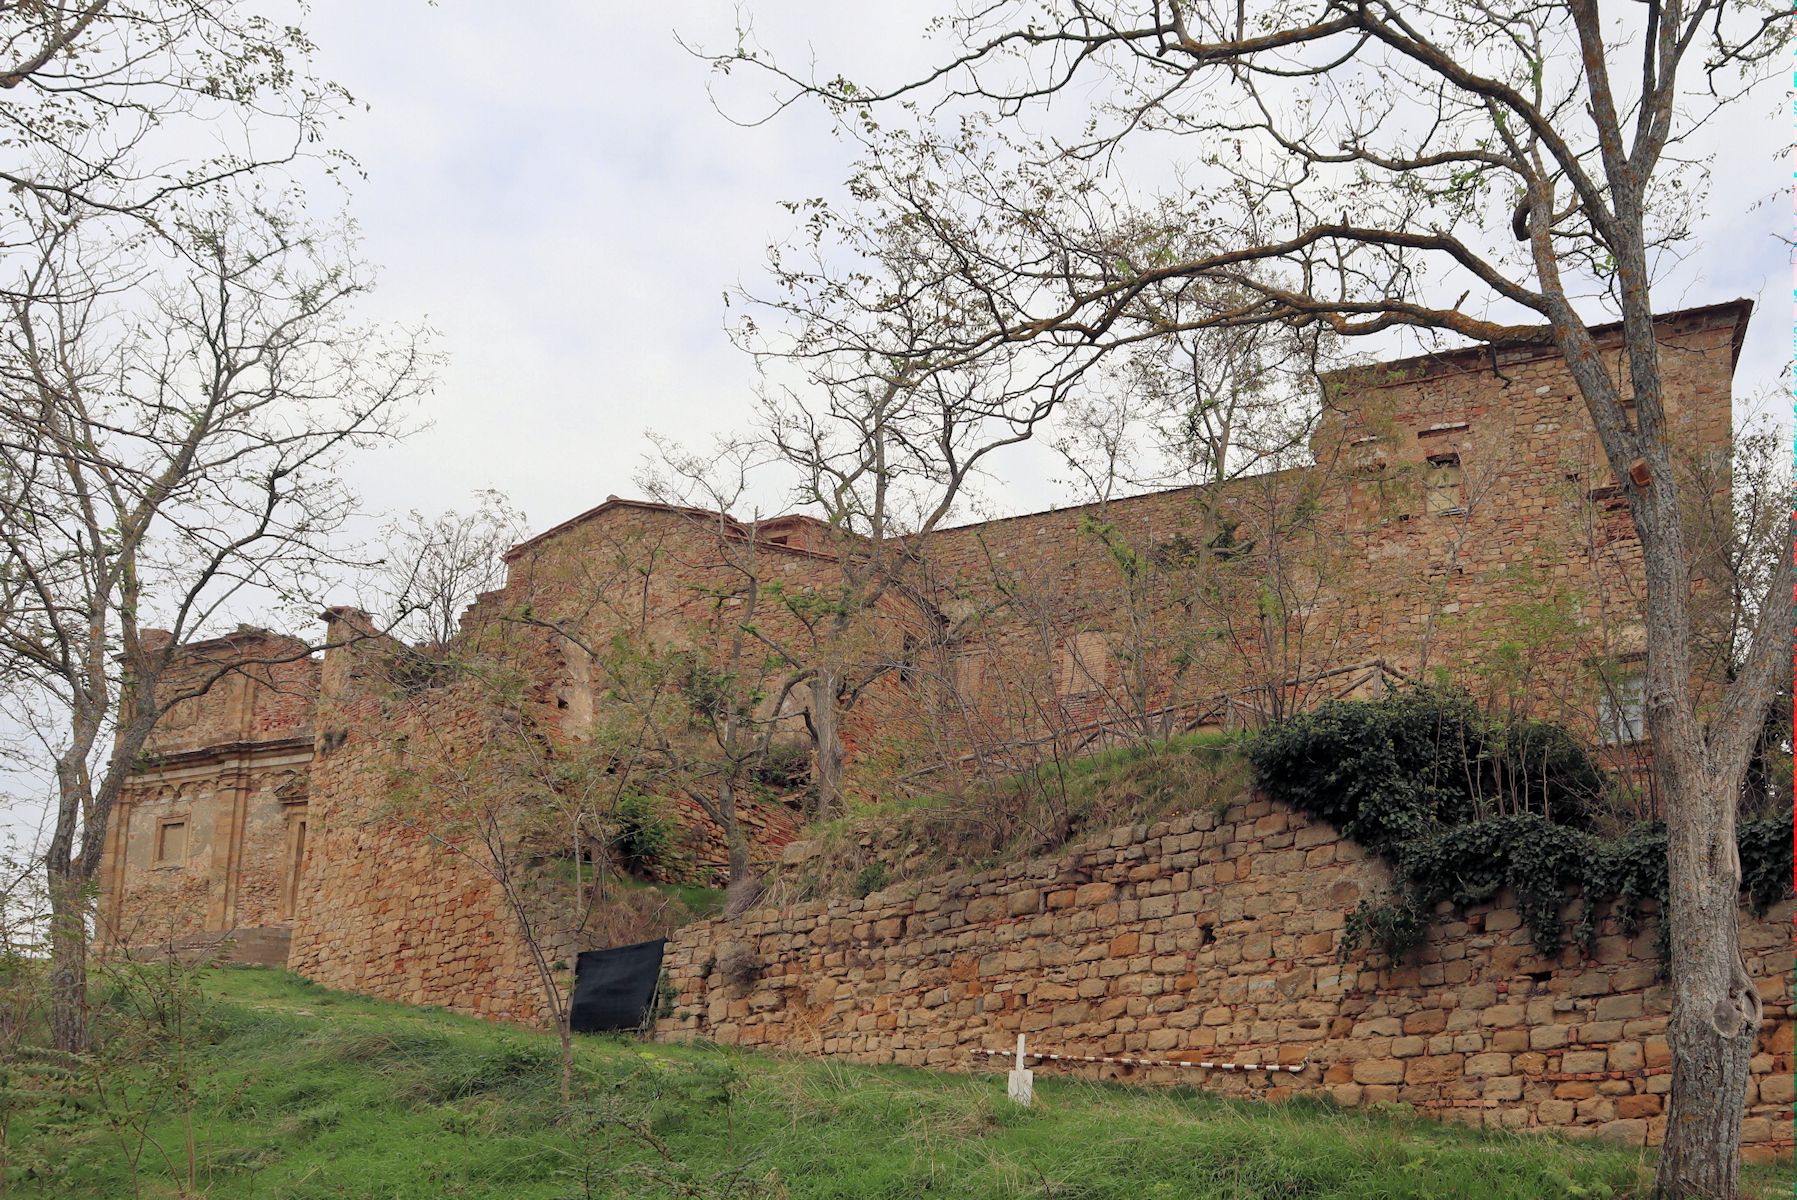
x,y
1463,806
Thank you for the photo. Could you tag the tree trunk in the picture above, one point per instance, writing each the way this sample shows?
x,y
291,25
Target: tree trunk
x,y
736,843
564,1028
826,731
1715,1005
68,962
738,846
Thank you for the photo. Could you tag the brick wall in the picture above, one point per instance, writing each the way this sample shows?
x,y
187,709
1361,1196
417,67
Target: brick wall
x,y
1539,563
1213,936
388,909
399,899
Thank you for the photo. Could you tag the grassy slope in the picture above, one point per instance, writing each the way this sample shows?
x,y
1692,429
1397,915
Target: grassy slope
x,y
1021,816
308,1093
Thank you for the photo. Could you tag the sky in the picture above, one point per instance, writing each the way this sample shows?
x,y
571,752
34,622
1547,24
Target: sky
x,y
562,202
551,187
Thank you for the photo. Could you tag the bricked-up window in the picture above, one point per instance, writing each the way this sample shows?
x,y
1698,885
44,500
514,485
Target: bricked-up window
x,y
171,843
1622,704
296,860
1082,663
1441,485
969,673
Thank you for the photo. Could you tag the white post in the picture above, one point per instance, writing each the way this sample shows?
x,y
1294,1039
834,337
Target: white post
x,y
1022,1083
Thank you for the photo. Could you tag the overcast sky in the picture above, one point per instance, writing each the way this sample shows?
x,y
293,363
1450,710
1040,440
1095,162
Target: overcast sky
x,y
550,185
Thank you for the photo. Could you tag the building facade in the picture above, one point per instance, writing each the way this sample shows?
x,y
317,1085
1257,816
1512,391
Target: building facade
x,y
1456,520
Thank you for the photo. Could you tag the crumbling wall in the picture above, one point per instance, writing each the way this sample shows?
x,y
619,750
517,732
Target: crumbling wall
x,y
1070,604
394,907
1214,936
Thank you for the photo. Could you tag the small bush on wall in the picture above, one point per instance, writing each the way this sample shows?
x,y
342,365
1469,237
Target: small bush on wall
x,y
643,838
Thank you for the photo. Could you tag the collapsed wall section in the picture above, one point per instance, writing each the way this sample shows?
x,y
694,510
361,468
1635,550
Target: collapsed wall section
x,y
1214,936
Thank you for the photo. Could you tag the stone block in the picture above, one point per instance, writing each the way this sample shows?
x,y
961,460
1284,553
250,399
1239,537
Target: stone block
x,y
985,908
1626,1056
1429,1020
1480,1066
1508,1087
1628,1133
1549,1037
1579,1062
1619,1008
1024,903
1094,893
1379,1071
1509,1041
1434,1068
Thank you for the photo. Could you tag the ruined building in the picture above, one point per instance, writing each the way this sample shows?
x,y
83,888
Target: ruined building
x,y
1456,519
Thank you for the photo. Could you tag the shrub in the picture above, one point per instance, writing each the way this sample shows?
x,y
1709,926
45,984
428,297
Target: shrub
x,y
786,767
1413,778
642,837
870,880
739,965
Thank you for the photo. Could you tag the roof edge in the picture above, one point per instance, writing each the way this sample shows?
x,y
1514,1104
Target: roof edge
x,y
1740,310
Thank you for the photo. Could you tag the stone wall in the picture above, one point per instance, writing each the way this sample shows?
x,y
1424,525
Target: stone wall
x,y
401,901
1214,936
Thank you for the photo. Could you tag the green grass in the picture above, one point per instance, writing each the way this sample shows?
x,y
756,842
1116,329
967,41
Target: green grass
x,y
305,1093
1025,815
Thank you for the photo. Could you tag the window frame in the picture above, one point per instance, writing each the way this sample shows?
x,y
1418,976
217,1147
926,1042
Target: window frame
x,y
1433,490
1622,702
158,848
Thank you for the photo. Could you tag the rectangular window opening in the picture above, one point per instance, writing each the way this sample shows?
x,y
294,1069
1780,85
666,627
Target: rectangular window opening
x,y
171,843
296,863
1442,485
1622,705
1082,664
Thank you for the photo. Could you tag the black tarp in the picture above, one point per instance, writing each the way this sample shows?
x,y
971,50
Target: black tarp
x,y
614,988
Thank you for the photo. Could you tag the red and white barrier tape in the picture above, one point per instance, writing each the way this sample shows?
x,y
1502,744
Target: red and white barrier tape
x,y
1146,1062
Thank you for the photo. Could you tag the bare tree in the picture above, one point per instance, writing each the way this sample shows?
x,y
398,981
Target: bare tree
x,y
126,112
1495,173
170,455
436,566
729,687
878,442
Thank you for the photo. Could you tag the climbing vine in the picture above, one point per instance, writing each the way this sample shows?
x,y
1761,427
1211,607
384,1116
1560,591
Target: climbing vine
x,y
1420,778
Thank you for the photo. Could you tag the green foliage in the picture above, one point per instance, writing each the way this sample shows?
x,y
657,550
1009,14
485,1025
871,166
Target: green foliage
x,y
1394,923
1766,869
642,837
1407,777
308,1094
710,694
1388,771
1226,546
871,879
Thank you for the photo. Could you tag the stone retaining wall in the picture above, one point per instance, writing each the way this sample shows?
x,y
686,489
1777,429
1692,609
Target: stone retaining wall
x,y
1213,936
